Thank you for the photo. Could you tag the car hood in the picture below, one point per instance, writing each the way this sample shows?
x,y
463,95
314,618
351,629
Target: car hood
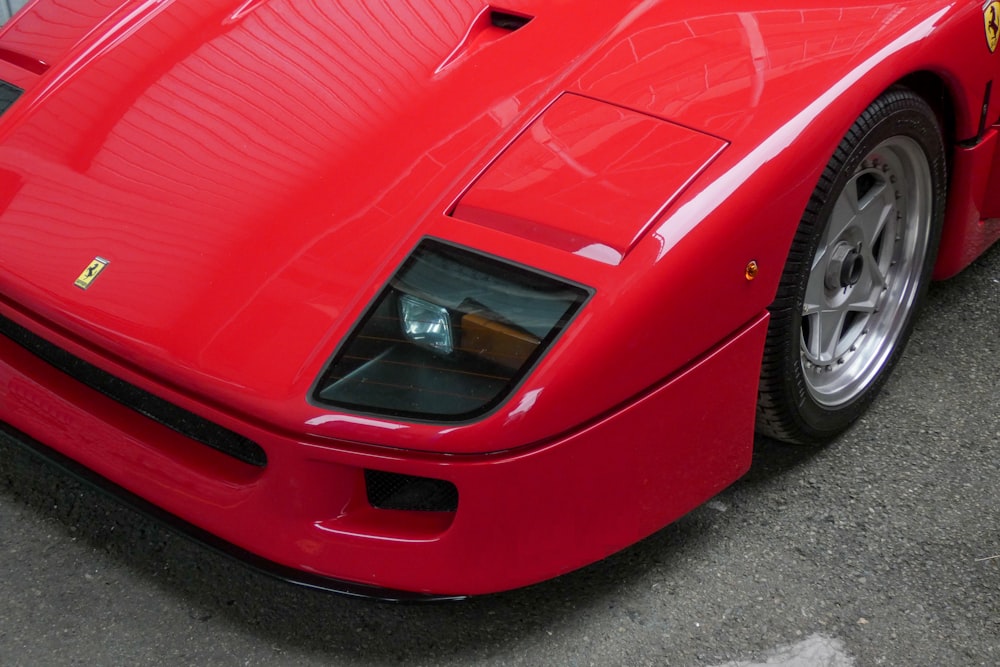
x,y
252,172
248,170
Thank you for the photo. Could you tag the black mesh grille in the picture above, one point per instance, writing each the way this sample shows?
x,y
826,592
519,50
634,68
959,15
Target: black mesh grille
x,y
392,491
161,411
8,95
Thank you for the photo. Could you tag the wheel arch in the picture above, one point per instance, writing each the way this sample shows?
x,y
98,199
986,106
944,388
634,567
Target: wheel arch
x,y
935,91
971,142
970,147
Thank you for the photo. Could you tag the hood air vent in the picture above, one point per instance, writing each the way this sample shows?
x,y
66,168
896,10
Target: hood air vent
x,y
488,27
508,21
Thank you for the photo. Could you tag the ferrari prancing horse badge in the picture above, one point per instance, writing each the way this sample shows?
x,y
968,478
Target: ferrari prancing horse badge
x,y
90,273
991,15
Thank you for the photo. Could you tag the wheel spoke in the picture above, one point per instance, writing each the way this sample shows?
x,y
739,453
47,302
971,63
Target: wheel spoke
x,y
825,333
862,301
873,272
877,215
875,197
845,212
815,295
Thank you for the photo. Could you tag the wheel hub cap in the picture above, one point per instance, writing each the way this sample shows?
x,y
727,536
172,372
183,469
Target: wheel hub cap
x,y
846,267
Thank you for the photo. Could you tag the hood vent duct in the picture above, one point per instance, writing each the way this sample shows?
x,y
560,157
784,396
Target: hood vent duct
x,y
508,21
488,27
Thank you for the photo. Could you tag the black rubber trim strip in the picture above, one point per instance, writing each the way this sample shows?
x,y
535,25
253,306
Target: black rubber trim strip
x,y
149,405
985,112
13,437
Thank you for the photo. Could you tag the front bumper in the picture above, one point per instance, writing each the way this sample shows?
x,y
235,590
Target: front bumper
x,y
522,516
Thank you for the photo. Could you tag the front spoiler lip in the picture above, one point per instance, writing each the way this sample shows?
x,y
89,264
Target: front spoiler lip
x,y
13,437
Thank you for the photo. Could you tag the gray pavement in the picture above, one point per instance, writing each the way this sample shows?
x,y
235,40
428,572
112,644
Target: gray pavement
x,y
881,549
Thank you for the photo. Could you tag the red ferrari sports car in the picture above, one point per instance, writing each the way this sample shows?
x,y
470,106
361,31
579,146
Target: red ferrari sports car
x,y
427,298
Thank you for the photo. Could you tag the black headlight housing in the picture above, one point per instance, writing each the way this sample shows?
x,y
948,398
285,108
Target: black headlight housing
x,y
449,337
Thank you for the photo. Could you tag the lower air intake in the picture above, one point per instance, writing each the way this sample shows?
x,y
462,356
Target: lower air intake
x,y
149,405
392,491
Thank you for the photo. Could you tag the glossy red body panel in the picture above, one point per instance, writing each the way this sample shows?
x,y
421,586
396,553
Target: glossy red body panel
x,y
588,177
520,510
46,30
254,172
973,224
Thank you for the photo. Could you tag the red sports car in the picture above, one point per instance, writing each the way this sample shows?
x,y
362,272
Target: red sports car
x,y
437,297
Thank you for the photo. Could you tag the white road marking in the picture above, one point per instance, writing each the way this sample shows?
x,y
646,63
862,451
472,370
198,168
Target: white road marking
x,y
814,651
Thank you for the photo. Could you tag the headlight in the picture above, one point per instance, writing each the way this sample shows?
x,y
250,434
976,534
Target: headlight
x,y
449,337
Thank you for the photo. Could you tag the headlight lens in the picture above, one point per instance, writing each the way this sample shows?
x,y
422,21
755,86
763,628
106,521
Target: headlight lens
x,y
426,324
449,337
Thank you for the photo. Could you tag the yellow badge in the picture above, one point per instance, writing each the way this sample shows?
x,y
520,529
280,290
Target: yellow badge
x,y
93,270
991,15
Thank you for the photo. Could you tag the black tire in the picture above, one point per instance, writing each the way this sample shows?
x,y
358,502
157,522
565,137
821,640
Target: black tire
x,y
857,272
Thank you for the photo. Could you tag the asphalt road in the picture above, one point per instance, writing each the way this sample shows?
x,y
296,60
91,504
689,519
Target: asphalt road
x,y
881,549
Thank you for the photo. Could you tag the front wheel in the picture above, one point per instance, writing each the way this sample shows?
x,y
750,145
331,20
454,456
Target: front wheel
x,y
857,272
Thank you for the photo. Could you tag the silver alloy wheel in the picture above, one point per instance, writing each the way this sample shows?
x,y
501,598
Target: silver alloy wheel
x,y
866,271
856,272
